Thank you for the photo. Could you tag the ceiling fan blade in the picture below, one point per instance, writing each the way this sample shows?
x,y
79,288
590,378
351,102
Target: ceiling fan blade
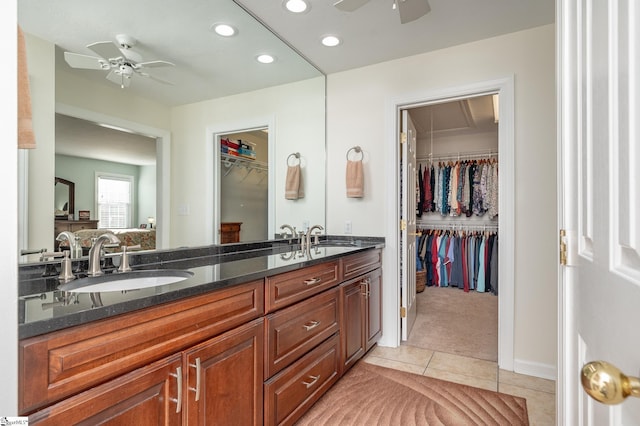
x,y
410,10
118,79
349,5
159,80
106,49
76,60
154,64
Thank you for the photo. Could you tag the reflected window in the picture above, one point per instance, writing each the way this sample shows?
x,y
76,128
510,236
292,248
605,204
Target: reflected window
x,y
114,195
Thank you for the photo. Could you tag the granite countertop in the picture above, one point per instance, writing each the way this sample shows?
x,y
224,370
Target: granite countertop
x,y
44,308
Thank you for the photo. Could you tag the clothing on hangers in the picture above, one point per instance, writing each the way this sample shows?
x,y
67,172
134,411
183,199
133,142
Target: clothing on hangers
x,y
468,261
460,188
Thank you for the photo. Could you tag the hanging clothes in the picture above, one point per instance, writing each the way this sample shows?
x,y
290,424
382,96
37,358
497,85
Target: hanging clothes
x,y
468,261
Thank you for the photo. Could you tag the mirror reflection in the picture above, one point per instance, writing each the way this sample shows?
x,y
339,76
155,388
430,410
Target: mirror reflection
x,y
211,95
65,192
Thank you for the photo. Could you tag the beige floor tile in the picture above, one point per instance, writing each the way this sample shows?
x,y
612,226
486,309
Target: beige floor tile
x,y
524,381
540,405
486,370
404,353
462,379
396,365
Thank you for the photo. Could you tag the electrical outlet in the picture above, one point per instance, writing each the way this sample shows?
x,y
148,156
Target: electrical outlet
x,y
347,227
184,210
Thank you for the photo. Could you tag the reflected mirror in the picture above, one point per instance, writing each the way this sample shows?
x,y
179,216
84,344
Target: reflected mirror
x,y
65,192
215,86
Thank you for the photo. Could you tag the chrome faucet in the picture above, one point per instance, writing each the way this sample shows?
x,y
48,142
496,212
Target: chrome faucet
x,y
73,242
94,253
310,231
290,228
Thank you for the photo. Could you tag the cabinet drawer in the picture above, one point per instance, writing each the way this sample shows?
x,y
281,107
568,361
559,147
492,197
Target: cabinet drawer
x,y
286,289
59,364
290,394
293,331
358,264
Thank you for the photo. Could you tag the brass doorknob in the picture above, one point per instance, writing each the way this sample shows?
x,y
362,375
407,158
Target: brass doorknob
x,y
606,383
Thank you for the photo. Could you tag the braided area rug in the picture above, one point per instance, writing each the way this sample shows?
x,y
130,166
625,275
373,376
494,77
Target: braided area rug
x,y
373,395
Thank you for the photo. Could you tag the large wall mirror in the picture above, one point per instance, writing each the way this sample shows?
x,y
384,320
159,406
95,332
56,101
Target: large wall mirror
x,y
165,122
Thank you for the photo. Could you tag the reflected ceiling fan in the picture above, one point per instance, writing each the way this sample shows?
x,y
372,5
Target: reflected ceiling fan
x,y
409,10
121,62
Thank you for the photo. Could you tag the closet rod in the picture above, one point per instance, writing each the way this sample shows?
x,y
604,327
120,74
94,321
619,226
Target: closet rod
x,y
456,225
458,156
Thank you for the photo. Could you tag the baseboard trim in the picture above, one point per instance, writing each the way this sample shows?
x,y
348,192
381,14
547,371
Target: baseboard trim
x,y
536,369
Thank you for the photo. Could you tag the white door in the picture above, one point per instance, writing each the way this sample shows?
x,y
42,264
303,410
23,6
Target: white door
x,y
408,228
599,198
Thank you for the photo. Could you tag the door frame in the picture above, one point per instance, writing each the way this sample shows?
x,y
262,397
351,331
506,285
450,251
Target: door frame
x,y
212,172
163,162
503,86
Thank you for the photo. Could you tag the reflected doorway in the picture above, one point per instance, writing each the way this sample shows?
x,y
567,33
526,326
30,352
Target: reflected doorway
x,y
244,186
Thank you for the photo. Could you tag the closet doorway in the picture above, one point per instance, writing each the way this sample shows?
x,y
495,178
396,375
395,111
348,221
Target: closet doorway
x,y
456,218
244,186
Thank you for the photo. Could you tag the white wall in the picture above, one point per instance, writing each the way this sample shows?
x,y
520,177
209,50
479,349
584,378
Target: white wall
x,y
40,60
146,194
291,109
8,251
356,104
110,100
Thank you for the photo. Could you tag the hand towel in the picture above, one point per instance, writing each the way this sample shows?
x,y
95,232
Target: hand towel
x,y
26,137
293,183
355,179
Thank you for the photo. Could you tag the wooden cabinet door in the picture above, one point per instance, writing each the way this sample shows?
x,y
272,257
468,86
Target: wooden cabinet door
x,y
224,378
148,396
352,328
374,308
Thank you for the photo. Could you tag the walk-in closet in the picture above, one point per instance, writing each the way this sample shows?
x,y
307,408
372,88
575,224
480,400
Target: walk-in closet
x,y
457,211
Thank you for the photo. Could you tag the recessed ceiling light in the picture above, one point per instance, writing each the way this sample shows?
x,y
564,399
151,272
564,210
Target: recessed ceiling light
x,y
330,41
224,30
265,59
296,6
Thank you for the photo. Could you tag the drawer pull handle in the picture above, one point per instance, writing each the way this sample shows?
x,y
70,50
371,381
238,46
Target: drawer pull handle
x,y
197,388
313,381
367,289
312,281
311,325
178,400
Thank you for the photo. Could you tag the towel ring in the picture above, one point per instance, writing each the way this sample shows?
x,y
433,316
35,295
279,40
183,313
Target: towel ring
x,y
295,155
358,150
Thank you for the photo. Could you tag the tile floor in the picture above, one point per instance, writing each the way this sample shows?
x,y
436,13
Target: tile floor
x,y
539,393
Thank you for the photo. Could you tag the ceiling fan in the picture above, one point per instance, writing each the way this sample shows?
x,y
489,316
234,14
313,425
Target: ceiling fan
x,y
409,10
122,62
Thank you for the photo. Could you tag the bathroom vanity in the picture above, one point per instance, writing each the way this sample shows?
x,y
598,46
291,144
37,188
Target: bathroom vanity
x,y
256,336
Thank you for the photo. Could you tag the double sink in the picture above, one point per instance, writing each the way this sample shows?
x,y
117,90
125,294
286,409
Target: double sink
x,y
139,279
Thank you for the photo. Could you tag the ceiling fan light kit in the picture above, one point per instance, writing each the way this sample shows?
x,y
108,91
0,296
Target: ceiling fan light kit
x,y
121,62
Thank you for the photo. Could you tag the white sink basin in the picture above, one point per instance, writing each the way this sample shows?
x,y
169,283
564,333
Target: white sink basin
x,y
126,281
